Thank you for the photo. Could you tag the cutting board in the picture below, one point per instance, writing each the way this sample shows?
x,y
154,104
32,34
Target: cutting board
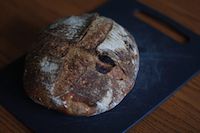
x,y
165,65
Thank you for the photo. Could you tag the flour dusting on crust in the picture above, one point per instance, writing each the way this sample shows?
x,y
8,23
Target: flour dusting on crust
x,y
57,101
48,66
74,25
114,40
103,104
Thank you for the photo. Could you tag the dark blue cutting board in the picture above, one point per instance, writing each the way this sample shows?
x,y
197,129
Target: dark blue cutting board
x,y
164,66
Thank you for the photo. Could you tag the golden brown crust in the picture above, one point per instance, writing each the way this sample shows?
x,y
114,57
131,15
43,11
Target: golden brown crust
x,y
77,68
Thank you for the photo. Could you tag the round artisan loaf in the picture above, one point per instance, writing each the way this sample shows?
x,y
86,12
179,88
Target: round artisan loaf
x,y
83,65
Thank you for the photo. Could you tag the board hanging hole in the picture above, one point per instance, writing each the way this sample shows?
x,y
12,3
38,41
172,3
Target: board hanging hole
x,y
162,26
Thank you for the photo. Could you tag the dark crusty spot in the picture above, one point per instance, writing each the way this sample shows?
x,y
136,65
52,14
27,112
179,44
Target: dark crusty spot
x,y
105,64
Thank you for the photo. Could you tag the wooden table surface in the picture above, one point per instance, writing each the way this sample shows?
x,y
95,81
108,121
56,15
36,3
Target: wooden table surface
x,y
21,19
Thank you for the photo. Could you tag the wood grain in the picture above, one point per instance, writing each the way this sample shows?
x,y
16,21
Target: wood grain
x,y
8,124
21,19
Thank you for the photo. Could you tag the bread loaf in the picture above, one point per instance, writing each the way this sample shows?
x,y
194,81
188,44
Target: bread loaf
x,y
83,65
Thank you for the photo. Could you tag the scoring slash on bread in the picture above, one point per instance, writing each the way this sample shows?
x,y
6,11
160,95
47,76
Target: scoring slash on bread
x,y
83,65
